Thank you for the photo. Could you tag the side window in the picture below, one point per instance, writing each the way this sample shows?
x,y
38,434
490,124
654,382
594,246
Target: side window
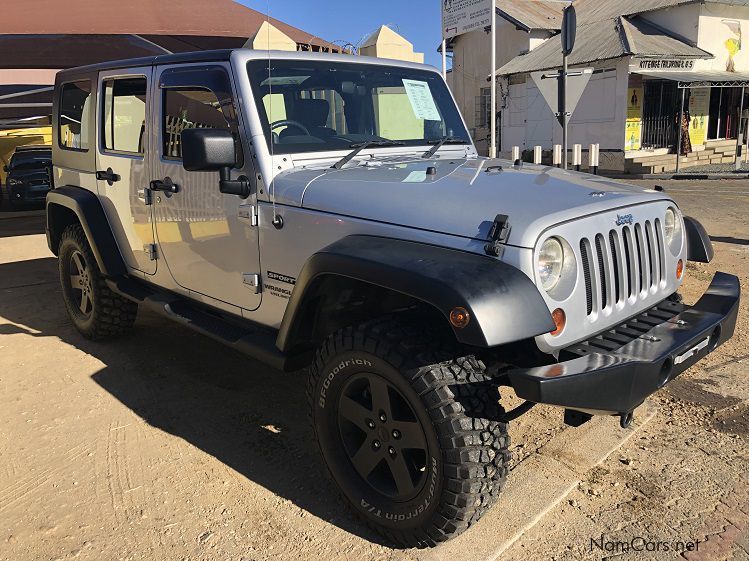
x,y
73,124
188,108
124,115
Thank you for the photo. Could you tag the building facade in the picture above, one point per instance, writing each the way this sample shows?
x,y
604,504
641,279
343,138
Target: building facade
x,y
649,57
521,27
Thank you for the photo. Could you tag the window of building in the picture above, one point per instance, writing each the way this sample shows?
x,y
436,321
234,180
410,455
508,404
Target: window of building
x,y
483,109
124,115
73,124
188,108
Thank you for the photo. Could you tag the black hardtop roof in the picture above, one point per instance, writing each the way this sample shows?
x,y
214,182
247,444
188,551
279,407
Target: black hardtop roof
x,y
196,56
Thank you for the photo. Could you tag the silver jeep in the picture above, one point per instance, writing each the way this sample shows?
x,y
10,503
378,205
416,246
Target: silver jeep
x,y
331,213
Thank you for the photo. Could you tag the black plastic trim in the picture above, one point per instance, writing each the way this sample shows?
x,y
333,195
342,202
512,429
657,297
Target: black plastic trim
x,y
245,336
504,304
699,246
90,214
618,380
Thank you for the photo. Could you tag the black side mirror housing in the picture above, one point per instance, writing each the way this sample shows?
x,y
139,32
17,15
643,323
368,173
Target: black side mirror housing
x,y
214,150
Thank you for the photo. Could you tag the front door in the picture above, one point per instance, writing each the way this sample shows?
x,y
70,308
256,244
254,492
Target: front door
x,y
206,239
122,170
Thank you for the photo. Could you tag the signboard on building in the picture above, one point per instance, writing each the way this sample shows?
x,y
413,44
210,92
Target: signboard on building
x,y
462,16
699,113
663,64
633,129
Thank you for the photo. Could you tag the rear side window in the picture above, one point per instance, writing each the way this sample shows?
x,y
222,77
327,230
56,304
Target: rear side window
x,y
124,115
73,125
189,108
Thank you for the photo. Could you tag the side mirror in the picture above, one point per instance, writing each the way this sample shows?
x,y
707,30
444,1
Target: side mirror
x,y
6,169
213,150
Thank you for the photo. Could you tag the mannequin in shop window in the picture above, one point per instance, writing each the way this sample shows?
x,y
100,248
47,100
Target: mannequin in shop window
x,y
686,143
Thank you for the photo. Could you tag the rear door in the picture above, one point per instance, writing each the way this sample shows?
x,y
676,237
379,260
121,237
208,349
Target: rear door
x,y
123,139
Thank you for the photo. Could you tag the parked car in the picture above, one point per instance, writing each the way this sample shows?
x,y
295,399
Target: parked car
x,y
29,176
331,213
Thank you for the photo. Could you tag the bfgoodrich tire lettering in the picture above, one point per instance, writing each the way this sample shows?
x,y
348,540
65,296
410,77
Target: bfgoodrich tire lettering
x,y
456,459
94,309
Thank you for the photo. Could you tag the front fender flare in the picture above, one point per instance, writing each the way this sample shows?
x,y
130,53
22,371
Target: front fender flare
x,y
503,303
699,246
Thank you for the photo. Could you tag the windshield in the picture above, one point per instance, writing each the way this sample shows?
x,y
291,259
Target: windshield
x,y
310,106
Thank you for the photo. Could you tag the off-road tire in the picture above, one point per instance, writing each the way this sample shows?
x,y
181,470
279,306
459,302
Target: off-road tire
x,y
461,407
109,314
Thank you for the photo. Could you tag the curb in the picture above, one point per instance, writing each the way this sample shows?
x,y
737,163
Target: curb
x,y
537,485
677,176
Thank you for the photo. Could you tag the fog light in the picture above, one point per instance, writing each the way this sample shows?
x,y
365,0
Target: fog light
x,y
679,269
459,317
560,320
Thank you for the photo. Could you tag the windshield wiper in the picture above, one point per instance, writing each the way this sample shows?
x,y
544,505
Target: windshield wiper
x,y
439,143
363,146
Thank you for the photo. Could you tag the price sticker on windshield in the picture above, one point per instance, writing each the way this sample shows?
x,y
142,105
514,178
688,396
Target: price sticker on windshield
x,y
421,100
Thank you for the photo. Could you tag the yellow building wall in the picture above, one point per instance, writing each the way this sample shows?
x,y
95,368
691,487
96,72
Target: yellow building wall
x,y
386,43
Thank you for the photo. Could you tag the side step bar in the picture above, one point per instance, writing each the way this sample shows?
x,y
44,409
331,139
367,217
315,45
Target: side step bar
x,y
246,337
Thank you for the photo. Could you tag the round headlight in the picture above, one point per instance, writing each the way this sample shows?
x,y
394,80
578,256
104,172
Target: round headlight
x,y
672,230
550,263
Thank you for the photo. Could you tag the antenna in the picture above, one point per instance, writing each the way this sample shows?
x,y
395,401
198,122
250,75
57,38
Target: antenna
x,y
277,220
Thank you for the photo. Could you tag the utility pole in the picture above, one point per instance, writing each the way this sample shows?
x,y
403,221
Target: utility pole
x,y
493,124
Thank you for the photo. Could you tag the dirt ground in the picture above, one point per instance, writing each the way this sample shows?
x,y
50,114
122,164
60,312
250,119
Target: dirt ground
x,y
165,445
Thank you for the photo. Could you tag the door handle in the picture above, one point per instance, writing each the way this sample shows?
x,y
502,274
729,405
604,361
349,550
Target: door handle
x,y
166,185
109,176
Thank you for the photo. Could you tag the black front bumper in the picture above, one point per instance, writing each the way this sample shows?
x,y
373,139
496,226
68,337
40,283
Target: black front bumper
x,y
610,377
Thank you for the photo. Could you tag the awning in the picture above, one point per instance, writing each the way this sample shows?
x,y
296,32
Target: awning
x,y
712,79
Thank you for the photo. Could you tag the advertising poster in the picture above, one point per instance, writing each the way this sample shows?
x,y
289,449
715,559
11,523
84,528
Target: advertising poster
x,y
633,129
699,112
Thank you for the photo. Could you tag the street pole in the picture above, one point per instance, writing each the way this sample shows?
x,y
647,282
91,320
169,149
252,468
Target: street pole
x,y
493,124
565,117
738,131
444,59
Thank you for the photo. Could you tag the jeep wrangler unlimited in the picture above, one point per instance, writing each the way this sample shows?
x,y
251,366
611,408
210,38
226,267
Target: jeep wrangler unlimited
x,y
331,213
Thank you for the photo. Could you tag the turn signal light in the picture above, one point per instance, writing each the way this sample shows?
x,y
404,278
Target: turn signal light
x,y
560,320
679,269
459,317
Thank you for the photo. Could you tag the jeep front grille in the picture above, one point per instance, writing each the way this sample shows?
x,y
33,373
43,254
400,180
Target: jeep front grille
x,y
629,266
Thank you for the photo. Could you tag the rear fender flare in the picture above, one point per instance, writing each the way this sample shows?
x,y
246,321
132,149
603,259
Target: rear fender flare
x,y
87,209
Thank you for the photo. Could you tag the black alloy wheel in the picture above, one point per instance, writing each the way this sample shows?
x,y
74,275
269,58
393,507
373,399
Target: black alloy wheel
x,y
382,436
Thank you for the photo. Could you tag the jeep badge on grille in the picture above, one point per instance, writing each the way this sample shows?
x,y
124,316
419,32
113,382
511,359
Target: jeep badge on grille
x,y
622,219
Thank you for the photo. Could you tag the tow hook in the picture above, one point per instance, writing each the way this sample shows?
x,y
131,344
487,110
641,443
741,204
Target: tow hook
x,y
625,419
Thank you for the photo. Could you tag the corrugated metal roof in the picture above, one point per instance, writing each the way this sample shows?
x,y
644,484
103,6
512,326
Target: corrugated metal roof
x,y
533,14
599,10
605,40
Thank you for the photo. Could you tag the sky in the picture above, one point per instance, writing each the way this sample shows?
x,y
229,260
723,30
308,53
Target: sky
x,y
349,21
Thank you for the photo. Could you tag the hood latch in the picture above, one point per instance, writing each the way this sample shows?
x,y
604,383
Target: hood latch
x,y
498,235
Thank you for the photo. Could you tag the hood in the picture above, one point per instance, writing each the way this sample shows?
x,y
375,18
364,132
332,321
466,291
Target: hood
x,y
461,198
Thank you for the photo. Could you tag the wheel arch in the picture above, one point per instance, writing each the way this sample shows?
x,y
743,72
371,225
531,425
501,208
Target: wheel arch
x,y
68,205
503,303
